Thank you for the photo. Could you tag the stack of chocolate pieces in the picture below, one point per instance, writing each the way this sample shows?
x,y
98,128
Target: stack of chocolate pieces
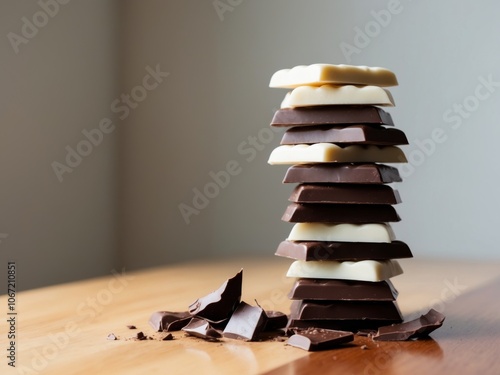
x,y
336,139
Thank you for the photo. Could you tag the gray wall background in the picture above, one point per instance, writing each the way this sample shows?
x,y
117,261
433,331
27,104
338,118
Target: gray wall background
x,y
120,205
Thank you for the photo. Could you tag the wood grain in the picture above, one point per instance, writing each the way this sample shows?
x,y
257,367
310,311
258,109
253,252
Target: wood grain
x,y
63,329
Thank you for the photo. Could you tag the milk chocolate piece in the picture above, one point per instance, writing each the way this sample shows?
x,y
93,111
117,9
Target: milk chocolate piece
x,y
342,173
348,310
364,270
353,325
306,96
343,290
220,304
331,115
275,320
344,193
201,328
246,322
419,327
339,213
327,250
332,153
377,232
169,321
320,74
354,134
319,339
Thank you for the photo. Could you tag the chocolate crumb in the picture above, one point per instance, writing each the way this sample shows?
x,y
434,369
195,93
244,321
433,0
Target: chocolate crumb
x,y
112,336
131,327
140,336
168,337
366,332
364,347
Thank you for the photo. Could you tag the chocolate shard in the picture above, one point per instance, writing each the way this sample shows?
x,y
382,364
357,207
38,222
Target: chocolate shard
x,y
331,114
201,328
420,327
220,304
246,323
275,320
355,251
319,339
131,326
343,290
353,134
140,336
112,336
347,310
169,320
344,194
168,337
364,173
340,213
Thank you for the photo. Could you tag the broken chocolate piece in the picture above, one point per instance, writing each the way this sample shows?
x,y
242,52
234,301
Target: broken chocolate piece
x,y
328,250
370,173
168,337
246,322
354,134
201,328
131,327
319,339
275,320
353,325
339,213
169,321
416,328
220,304
112,336
345,194
338,310
330,74
334,114
140,336
343,290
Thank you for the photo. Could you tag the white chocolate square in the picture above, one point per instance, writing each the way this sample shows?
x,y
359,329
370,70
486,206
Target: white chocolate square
x,y
365,270
306,96
320,74
378,232
331,153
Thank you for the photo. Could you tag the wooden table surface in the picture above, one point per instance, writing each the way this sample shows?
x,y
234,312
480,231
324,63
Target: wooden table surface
x,y
63,329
